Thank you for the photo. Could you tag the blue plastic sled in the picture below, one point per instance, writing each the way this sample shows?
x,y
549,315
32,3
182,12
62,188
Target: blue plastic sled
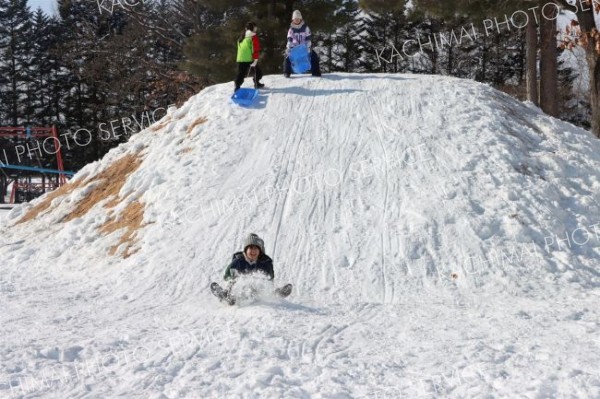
x,y
244,96
299,58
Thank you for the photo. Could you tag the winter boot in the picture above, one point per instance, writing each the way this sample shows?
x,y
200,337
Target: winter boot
x,y
284,291
222,294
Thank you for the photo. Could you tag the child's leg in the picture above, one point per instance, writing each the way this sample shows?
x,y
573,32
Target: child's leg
x,y
230,285
243,68
257,75
314,64
287,66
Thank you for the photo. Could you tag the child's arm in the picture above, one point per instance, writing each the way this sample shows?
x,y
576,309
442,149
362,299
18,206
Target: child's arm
x,y
255,47
270,270
227,275
230,269
290,39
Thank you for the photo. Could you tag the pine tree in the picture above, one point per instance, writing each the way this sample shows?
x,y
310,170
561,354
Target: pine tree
x,y
39,111
15,57
54,88
386,30
345,47
423,57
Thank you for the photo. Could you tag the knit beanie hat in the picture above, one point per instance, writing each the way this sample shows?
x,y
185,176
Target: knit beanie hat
x,y
297,15
255,240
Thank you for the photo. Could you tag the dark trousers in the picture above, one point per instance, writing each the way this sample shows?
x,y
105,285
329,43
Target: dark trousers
x,y
243,69
315,66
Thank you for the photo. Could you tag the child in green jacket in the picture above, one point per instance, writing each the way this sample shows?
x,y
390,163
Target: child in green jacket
x,y
247,56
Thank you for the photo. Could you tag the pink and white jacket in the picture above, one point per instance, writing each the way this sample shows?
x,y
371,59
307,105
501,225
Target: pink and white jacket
x,y
298,34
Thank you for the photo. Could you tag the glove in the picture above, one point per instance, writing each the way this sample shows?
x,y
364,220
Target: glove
x,y
254,63
308,47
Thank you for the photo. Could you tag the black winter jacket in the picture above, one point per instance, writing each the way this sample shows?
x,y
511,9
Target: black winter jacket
x,y
239,265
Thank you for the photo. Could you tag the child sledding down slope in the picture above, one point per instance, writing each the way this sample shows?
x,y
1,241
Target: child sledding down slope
x,y
252,260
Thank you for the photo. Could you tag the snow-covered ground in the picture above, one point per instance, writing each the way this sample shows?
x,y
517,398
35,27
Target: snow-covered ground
x,y
3,213
442,238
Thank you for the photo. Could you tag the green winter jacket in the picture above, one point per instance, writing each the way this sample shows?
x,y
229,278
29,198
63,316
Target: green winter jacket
x,y
244,53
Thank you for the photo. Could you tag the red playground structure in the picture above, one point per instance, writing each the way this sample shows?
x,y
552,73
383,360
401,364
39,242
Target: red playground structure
x,y
27,155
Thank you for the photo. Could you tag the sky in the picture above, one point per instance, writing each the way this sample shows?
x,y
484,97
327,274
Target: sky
x,y
49,6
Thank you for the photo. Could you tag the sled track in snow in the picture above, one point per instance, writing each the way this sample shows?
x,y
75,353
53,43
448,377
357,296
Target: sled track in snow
x,y
299,132
326,346
380,129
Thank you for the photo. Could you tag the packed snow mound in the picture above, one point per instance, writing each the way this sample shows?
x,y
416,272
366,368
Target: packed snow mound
x,y
441,237
363,187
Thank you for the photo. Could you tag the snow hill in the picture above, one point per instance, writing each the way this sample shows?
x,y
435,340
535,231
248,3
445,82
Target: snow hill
x,y
442,238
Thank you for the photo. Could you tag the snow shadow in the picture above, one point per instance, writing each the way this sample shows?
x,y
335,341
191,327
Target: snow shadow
x,y
260,102
289,306
364,77
302,91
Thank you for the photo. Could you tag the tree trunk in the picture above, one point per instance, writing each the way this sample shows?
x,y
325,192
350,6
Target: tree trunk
x,y
587,23
531,41
14,108
484,56
593,60
330,58
548,65
450,66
